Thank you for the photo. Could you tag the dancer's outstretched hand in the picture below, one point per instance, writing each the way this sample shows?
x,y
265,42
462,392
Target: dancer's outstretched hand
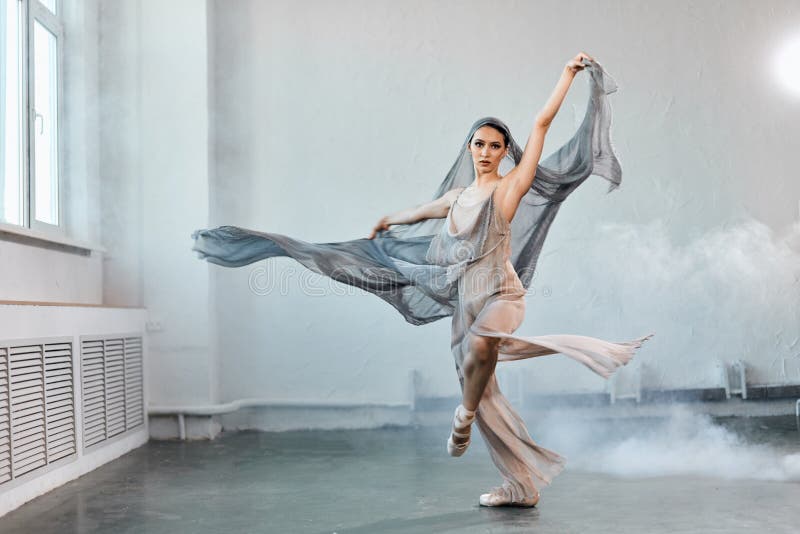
x,y
383,224
576,65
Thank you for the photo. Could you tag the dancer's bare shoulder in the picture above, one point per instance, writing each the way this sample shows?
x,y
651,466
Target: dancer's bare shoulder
x,y
444,203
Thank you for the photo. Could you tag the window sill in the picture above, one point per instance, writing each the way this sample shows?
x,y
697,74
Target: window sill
x,y
19,234
64,304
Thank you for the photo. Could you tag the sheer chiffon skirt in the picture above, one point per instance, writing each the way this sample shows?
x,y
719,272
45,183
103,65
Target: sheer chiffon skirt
x,y
524,465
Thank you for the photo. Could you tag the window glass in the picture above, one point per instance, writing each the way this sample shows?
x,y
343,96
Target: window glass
x,y
45,124
12,127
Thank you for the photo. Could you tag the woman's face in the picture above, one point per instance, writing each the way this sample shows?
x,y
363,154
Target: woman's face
x,y
488,149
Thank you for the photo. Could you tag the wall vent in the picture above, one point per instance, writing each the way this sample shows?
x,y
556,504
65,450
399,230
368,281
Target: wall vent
x,y
112,387
37,411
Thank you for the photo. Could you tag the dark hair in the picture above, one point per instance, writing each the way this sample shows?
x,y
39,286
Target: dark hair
x,y
492,123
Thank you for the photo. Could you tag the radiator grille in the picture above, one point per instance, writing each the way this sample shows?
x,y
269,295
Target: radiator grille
x,y
37,397
5,418
37,410
134,382
59,401
112,387
27,408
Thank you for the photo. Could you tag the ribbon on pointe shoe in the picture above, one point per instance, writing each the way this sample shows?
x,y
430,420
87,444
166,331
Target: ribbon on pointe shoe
x,y
462,420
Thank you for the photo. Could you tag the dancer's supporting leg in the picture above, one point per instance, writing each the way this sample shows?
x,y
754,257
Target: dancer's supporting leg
x,y
479,365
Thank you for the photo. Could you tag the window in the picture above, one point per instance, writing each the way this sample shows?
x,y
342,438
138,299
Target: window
x,y
31,37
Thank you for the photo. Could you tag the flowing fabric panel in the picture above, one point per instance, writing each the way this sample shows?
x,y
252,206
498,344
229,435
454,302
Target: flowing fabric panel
x,y
393,265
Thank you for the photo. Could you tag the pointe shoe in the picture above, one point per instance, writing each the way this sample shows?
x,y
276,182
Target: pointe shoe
x,y
462,420
502,497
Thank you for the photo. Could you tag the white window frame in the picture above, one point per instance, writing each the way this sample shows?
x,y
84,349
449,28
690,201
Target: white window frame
x,y
37,12
34,11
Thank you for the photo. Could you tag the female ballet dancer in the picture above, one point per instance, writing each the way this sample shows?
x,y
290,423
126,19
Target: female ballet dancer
x,y
471,253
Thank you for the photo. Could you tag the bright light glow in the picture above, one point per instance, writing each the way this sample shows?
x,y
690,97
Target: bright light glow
x,y
787,65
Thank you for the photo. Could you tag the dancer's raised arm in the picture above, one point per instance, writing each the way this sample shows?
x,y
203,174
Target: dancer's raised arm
x,y
435,209
519,179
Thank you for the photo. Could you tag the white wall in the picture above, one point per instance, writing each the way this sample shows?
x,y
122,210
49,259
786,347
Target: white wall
x,y
38,271
313,119
328,115
154,96
120,153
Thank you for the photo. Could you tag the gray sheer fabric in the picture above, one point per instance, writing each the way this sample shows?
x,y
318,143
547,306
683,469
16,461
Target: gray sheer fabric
x,y
393,265
474,266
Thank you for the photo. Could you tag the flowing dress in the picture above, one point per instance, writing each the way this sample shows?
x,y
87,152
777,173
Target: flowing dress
x,y
491,303
473,267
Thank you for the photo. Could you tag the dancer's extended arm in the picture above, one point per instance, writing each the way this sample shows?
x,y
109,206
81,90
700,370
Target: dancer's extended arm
x,y
518,181
435,209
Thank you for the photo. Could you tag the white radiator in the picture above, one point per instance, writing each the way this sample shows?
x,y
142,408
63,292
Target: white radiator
x,y
111,386
59,401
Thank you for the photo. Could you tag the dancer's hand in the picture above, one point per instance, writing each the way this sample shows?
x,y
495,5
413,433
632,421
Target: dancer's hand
x,y
576,65
383,224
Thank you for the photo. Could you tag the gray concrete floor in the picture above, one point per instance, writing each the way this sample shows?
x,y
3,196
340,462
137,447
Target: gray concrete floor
x,y
394,480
